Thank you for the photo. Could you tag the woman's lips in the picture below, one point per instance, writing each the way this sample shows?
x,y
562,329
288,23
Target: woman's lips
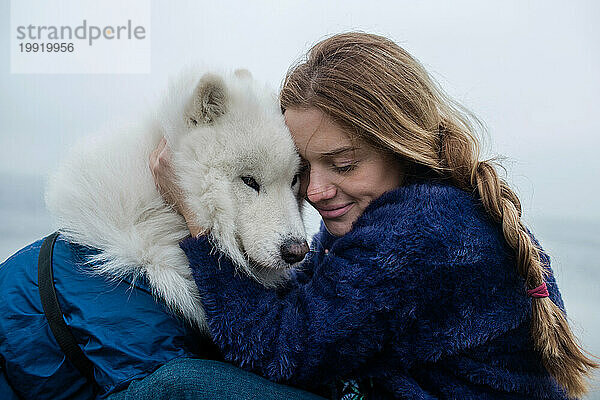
x,y
334,212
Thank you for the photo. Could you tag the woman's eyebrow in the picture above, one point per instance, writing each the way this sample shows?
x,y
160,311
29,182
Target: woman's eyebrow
x,y
337,151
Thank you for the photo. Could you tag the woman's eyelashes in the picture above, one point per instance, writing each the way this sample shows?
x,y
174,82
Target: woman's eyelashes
x,y
344,168
338,167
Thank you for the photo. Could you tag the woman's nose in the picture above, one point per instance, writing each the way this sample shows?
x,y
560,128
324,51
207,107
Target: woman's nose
x,y
319,189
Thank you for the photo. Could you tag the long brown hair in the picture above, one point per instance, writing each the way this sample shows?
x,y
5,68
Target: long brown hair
x,y
381,95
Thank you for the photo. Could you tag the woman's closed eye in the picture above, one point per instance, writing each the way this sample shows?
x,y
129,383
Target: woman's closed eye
x,y
344,168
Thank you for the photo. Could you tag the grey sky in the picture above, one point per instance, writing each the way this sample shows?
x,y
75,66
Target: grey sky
x,y
528,69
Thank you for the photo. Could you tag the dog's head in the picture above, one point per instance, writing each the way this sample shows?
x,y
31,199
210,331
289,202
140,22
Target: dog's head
x,y
237,164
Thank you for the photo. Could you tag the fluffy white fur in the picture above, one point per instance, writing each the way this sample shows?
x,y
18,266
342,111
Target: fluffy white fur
x,y
220,128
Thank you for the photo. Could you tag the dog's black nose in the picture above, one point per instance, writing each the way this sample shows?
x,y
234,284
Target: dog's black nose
x,y
293,250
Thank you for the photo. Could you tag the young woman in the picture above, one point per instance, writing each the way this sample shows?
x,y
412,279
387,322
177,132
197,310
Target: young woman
x,y
423,282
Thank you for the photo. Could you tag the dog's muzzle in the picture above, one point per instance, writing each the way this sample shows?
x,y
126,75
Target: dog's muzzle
x,y
293,250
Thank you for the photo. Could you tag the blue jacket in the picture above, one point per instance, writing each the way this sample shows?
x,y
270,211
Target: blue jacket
x,y
120,327
420,300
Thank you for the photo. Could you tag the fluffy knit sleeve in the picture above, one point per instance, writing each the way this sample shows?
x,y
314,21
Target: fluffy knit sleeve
x,y
302,334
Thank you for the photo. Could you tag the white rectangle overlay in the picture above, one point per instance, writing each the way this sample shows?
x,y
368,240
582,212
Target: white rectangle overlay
x,y
80,37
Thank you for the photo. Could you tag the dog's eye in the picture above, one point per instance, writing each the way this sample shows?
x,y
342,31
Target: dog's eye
x,y
295,180
193,122
250,181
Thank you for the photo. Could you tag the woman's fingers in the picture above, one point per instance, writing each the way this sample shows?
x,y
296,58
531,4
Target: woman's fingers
x,y
164,179
163,152
159,156
160,166
155,164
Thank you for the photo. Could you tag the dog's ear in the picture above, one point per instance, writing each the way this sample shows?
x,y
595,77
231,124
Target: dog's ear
x,y
208,102
242,73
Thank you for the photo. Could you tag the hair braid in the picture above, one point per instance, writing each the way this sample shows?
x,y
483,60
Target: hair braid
x,y
562,356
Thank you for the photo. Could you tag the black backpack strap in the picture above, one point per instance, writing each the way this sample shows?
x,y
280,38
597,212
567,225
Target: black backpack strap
x,y
61,331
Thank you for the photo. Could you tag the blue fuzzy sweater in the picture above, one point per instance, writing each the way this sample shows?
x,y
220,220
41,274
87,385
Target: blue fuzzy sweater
x,y
420,300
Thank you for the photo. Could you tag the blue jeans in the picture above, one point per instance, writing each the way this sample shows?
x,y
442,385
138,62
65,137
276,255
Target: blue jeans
x,y
187,378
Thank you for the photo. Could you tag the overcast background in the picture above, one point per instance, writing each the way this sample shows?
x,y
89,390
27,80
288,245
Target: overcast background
x,y
529,69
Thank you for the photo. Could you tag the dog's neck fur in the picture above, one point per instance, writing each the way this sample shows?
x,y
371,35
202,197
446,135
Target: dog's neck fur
x,y
103,196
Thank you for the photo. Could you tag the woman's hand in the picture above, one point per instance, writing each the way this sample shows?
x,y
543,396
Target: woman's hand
x,y
165,182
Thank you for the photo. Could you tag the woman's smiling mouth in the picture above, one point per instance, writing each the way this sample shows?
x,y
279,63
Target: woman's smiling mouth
x,y
334,211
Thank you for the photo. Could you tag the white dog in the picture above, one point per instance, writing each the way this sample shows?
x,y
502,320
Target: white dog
x,y
237,165
236,162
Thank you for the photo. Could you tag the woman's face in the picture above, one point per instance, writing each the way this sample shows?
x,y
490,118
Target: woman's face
x,y
339,178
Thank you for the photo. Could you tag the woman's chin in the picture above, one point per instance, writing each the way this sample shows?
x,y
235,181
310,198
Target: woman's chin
x,y
337,228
